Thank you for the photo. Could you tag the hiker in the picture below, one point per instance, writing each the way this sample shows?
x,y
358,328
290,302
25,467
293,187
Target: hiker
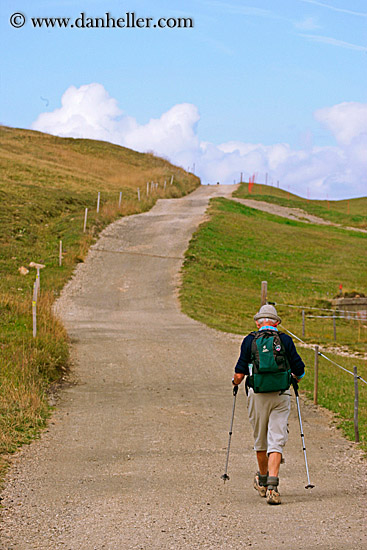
x,y
268,359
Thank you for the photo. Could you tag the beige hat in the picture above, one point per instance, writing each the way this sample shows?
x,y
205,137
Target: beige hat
x,y
267,312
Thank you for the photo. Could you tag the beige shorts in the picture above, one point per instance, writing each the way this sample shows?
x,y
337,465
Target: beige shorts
x,y
268,414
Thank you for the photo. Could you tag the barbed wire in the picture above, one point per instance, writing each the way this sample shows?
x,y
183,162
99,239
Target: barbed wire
x,y
294,335
349,318
312,307
325,357
346,370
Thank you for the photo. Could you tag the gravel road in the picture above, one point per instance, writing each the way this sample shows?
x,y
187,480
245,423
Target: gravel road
x,y
293,213
133,454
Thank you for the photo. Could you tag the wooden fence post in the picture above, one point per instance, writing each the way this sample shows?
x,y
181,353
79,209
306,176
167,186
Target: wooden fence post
x,y
38,280
171,180
264,292
147,188
85,220
138,194
356,430
34,309
60,254
303,324
37,283
98,201
120,197
316,376
334,326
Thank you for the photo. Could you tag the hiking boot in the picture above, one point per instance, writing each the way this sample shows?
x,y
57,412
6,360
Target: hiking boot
x,y
272,493
260,484
273,496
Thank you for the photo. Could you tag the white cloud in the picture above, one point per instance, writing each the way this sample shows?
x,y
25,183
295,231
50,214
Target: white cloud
x,y
88,110
338,171
346,121
172,134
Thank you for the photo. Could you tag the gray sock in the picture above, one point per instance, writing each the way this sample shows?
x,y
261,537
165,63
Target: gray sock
x,y
263,480
272,482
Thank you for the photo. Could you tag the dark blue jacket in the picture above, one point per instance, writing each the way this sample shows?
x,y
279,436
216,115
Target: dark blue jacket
x,y
295,362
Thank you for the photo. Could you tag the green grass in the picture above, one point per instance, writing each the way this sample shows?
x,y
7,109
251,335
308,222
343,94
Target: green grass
x,y
45,185
336,390
349,212
239,247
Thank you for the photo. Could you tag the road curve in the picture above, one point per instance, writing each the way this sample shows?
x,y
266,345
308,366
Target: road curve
x,y
134,452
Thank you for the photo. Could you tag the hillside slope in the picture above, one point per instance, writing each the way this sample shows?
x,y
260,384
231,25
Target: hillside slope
x,y
348,212
78,164
46,184
304,263
134,456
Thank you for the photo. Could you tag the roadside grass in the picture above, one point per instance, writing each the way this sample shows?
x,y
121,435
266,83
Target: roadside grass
x,y
349,212
336,390
46,183
238,247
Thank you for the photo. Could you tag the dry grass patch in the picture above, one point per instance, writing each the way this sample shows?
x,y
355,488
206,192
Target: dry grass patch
x,y
46,183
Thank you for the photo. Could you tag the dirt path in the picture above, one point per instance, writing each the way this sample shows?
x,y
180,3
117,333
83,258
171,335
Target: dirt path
x,y
133,455
292,213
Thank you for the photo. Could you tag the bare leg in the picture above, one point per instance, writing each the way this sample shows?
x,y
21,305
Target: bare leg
x,y
274,463
262,460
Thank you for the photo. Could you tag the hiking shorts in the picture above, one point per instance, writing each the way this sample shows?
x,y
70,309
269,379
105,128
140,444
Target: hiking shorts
x,y
268,414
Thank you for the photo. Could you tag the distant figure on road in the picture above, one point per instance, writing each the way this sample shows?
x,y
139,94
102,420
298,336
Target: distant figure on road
x,y
268,359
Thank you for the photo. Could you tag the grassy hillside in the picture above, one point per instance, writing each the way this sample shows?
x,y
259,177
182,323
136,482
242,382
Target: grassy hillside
x,y
45,185
349,212
303,263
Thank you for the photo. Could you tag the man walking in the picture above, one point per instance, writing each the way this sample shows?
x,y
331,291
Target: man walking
x,y
268,359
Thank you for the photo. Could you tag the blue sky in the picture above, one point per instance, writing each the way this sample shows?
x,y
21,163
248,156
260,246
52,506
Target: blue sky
x,y
275,87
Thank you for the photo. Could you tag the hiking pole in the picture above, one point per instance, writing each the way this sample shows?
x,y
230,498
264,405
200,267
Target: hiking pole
x,y
295,387
225,476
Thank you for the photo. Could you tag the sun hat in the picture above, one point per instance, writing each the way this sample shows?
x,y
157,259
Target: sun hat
x,y
267,312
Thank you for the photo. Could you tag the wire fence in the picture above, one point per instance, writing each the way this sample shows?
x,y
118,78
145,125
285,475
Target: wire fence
x,y
349,317
152,190
312,307
264,288
325,357
335,315
316,381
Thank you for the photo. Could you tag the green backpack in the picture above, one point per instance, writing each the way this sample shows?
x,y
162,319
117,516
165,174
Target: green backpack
x,y
270,365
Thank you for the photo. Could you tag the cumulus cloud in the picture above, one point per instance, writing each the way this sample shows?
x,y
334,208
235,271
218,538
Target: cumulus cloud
x,y
173,134
345,121
88,111
339,171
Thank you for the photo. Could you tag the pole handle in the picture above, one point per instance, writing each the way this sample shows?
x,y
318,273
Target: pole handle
x,y
295,385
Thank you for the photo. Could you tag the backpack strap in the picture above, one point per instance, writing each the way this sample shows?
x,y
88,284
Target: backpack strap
x,y
283,352
255,358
